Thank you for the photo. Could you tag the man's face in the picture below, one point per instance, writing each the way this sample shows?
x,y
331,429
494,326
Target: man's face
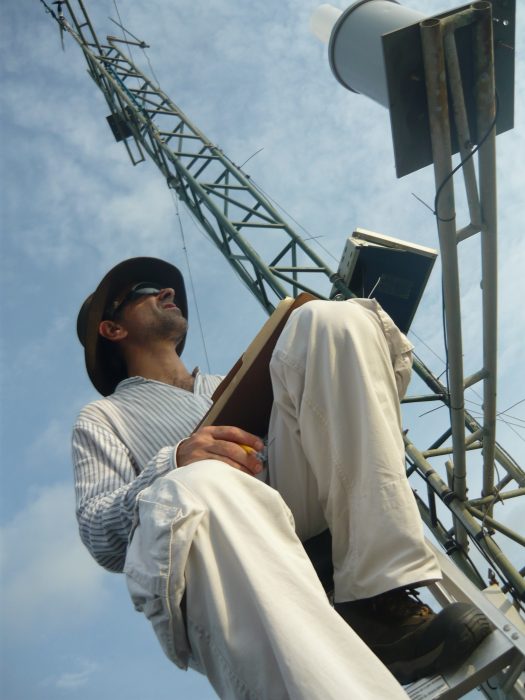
x,y
148,312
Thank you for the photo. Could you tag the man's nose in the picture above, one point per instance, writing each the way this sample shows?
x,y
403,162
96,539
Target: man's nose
x,y
166,292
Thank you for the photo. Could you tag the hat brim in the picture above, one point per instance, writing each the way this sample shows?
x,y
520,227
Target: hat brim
x,y
104,373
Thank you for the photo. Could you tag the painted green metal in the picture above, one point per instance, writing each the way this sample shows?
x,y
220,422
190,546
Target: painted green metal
x,y
230,208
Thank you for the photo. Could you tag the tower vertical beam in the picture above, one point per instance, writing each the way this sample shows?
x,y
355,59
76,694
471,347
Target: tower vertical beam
x,y
486,111
438,108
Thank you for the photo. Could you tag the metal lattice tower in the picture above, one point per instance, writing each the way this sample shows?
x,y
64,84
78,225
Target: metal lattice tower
x,y
274,261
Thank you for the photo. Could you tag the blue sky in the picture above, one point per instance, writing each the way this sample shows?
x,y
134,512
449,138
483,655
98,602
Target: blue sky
x,y
252,77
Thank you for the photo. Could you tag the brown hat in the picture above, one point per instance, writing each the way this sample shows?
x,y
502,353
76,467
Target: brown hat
x,y
103,369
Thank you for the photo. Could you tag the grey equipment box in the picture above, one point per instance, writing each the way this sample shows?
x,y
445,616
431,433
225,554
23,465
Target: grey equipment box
x,y
392,271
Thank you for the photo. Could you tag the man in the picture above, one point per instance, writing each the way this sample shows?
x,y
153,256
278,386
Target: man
x,y
211,543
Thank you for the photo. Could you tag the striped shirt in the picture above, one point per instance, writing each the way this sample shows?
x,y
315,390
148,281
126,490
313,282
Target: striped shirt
x,y
121,444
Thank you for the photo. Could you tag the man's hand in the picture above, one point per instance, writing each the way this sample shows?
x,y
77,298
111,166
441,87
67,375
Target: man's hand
x,y
227,443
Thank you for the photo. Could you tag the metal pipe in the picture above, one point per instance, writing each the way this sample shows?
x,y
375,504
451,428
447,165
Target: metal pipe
x,y
512,468
441,451
487,520
462,128
449,469
502,495
423,398
474,436
457,20
459,508
467,231
436,84
486,111
475,378
511,676
502,483
449,545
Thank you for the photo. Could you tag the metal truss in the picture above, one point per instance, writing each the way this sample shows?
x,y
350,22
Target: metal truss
x,y
274,261
230,208
444,76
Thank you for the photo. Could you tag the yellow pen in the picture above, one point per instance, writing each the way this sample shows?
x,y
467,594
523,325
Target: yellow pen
x,y
250,450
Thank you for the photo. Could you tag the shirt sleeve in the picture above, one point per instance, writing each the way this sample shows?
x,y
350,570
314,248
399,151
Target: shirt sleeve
x,y
106,488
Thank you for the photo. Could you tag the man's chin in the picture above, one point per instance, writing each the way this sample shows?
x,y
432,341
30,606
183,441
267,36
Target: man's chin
x,y
182,331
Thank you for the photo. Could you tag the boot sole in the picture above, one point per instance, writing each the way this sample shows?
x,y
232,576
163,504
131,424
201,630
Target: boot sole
x,y
442,644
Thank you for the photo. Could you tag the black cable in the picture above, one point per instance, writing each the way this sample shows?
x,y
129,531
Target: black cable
x,y
435,212
124,30
506,583
465,160
49,10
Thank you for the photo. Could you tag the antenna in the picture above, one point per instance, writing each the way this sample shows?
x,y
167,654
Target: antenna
x,y
375,47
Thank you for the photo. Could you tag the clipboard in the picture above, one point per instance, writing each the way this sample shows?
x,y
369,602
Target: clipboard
x,y
244,398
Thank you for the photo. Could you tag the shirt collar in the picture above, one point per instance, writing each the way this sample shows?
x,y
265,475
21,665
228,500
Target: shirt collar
x,y
131,381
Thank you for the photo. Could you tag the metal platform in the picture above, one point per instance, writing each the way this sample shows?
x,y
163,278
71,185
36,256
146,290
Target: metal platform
x,y
498,663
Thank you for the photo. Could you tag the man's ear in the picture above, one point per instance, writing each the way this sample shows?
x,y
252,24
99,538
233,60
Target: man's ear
x,y
112,331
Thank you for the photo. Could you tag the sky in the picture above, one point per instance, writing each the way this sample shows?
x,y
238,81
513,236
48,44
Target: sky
x,y
255,80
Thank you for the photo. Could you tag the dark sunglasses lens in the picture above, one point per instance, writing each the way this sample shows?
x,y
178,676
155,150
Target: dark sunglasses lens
x,y
142,290
139,290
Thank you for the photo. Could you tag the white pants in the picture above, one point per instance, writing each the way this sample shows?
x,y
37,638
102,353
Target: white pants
x,y
336,448
258,622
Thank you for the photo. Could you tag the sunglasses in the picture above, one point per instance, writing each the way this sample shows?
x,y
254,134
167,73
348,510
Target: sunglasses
x,y
142,289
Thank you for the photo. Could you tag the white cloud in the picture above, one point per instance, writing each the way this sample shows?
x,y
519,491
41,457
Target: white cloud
x,y
36,356
80,674
51,445
72,680
49,579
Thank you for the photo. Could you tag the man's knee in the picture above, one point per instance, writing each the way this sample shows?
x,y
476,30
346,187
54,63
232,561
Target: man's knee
x,y
209,476
219,487
333,314
331,324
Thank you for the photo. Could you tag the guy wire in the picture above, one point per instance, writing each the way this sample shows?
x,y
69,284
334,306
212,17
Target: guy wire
x,y
190,276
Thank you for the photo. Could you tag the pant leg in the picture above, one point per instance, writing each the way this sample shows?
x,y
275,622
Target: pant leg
x,y
258,622
336,452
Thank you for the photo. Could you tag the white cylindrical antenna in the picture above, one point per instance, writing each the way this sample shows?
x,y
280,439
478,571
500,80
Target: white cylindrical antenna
x,y
354,48
322,21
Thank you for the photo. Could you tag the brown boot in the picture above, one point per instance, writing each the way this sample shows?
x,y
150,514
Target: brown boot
x,y
409,638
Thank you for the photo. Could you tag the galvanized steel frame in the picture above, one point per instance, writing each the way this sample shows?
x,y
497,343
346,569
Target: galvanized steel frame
x,y
231,209
443,74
